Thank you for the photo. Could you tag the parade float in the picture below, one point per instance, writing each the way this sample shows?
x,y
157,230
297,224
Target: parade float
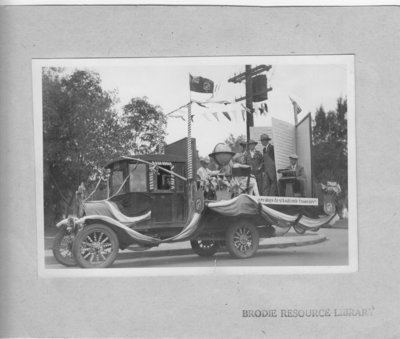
x,y
154,199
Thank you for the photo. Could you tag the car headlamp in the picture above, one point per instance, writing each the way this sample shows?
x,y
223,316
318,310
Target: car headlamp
x,y
70,224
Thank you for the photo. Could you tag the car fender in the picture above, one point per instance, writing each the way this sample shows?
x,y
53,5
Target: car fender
x,y
124,233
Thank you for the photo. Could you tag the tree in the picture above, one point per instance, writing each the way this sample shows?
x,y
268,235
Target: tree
x,y
82,132
144,127
329,149
234,142
78,120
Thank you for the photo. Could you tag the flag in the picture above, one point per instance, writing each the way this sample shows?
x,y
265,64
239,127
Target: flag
x,y
216,116
206,117
177,116
296,107
248,110
227,115
199,103
263,109
235,113
201,85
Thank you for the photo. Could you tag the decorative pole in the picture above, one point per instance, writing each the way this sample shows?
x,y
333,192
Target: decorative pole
x,y
249,102
189,143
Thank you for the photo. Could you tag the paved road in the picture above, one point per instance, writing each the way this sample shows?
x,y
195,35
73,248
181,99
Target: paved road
x,y
332,251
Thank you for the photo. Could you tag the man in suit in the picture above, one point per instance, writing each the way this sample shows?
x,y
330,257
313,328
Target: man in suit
x,y
268,167
299,173
253,158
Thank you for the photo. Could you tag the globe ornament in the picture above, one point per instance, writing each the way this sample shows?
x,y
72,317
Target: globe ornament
x,y
222,154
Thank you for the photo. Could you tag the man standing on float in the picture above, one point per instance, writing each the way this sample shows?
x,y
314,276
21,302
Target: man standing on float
x,y
268,167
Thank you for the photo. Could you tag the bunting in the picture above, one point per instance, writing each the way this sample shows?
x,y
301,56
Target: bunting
x,y
231,111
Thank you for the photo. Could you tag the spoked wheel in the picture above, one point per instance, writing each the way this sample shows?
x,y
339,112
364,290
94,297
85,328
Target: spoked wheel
x,y
242,239
205,248
299,229
96,246
62,247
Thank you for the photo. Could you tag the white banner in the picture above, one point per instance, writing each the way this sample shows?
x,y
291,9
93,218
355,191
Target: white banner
x,y
273,200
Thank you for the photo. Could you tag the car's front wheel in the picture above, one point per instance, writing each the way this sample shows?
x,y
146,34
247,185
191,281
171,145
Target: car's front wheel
x,y
242,239
96,246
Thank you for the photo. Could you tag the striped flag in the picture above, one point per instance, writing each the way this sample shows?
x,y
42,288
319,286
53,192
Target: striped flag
x,y
296,107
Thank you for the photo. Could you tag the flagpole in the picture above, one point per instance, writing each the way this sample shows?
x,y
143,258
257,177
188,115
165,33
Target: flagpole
x,y
295,117
295,110
189,143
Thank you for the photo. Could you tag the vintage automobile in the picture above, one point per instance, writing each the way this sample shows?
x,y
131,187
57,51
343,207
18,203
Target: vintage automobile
x,y
153,202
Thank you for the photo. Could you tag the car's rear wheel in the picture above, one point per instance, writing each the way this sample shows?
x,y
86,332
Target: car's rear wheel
x,y
96,246
242,239
205,248
62,247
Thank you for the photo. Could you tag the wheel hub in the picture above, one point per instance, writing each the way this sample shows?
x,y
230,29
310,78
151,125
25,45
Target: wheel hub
x,y
96,247
243,239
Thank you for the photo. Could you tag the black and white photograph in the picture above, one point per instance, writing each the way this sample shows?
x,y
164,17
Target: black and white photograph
x,y
187,170
208,163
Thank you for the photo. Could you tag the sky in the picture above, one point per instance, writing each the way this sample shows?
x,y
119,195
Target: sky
x,y
310,81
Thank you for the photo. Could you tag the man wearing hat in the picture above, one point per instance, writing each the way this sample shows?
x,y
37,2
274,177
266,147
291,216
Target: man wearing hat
x,y
203,178
203,172
299,173
254,159
268,167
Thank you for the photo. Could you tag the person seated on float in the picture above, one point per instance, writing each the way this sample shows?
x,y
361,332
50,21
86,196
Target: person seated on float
x,y
248,183
222,155
203,173
295,172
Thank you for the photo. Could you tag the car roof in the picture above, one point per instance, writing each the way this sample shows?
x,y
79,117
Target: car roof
x,y
150,157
